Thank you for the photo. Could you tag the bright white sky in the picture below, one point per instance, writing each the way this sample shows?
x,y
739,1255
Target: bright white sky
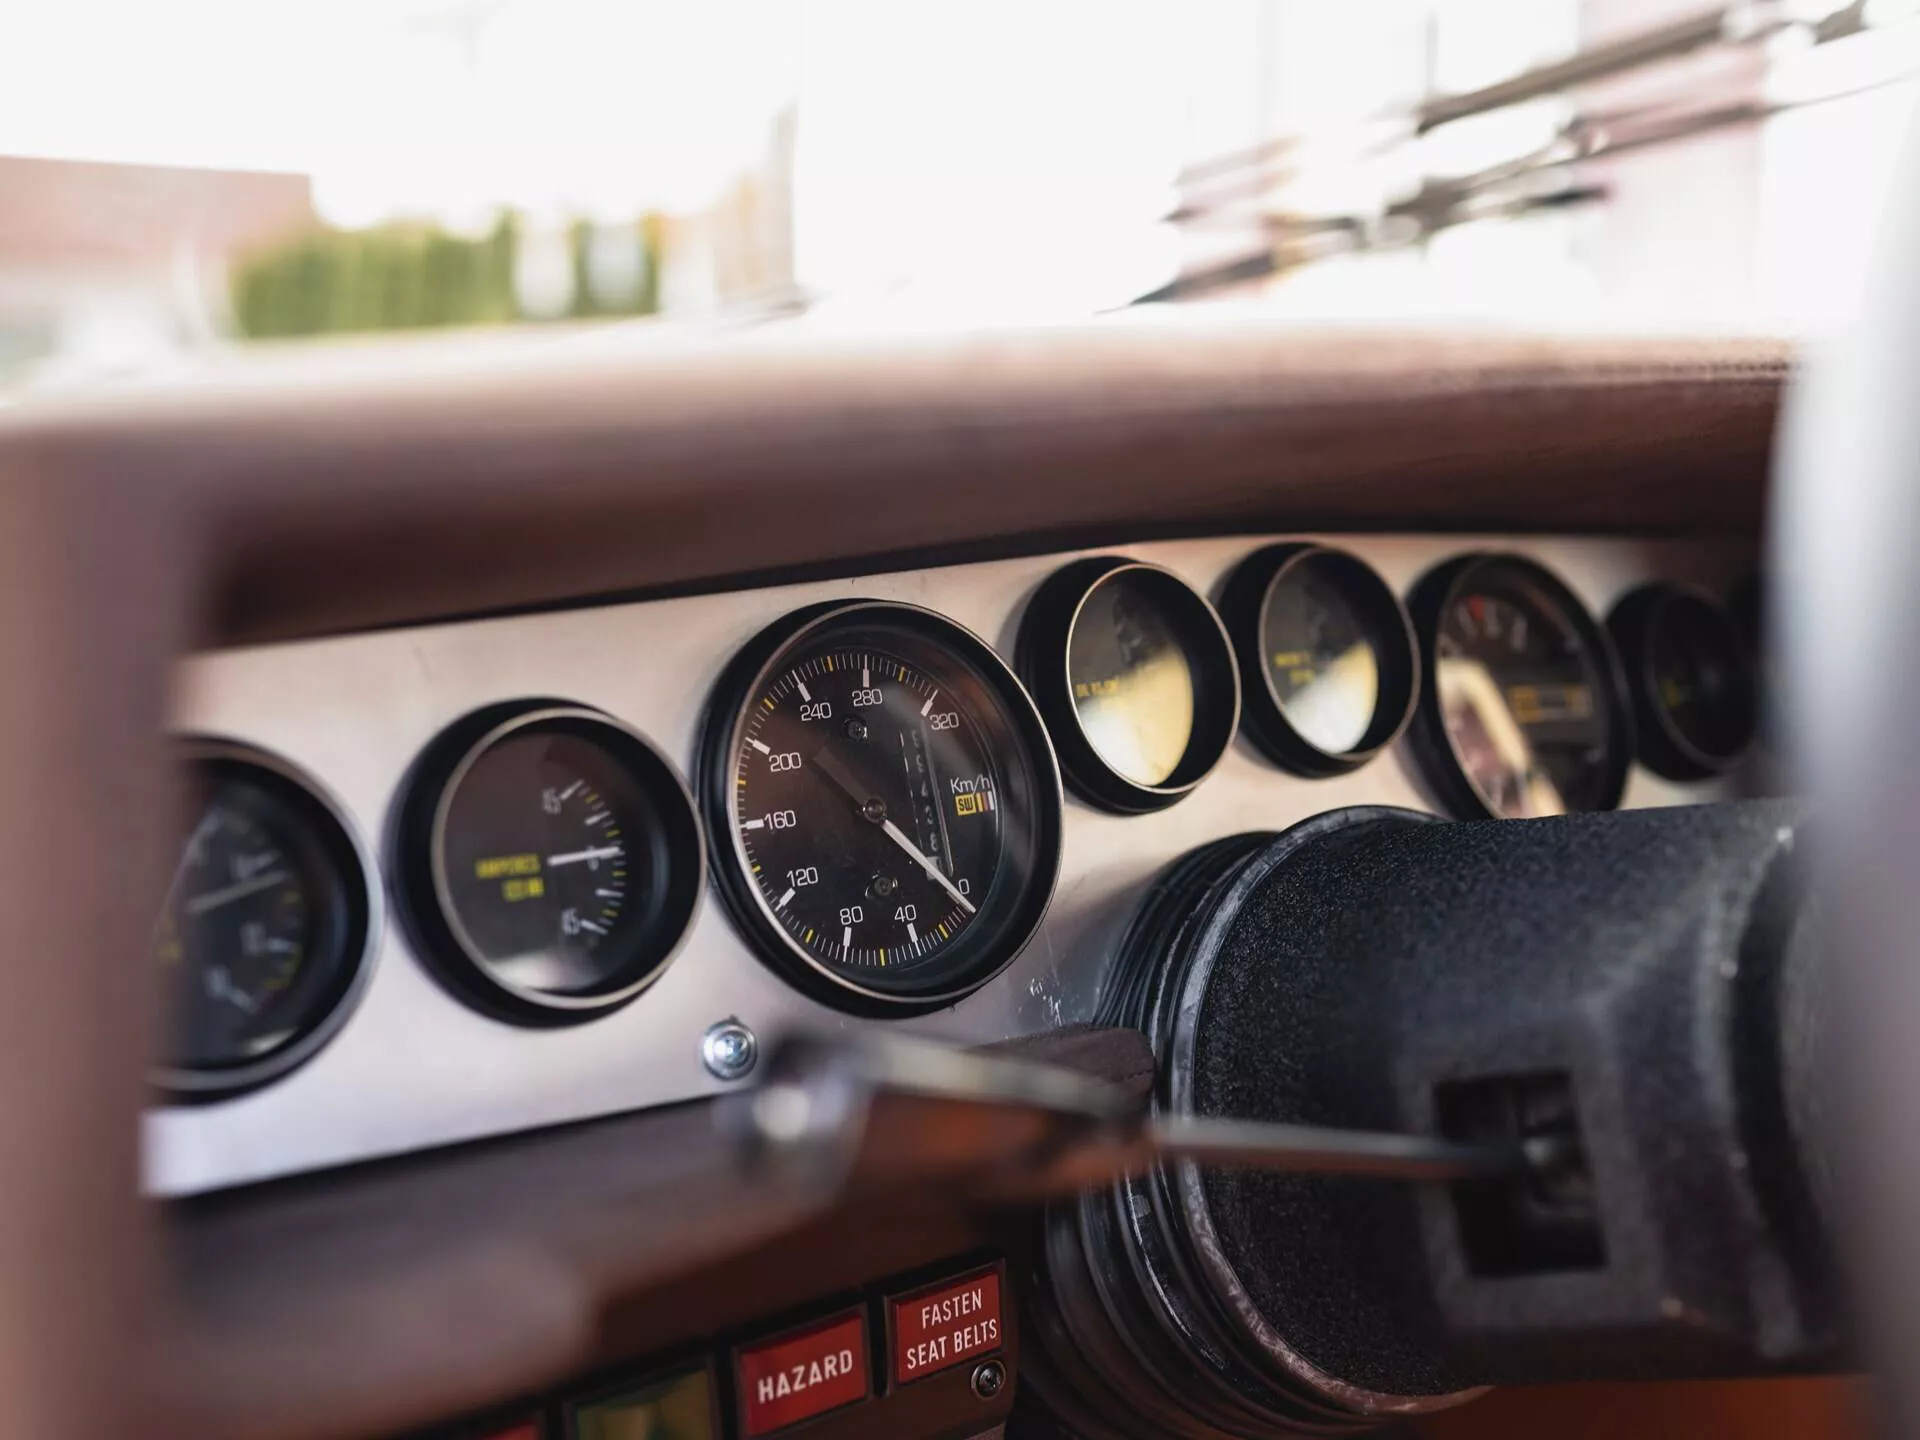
x,y
1009,141
1012,156
422,106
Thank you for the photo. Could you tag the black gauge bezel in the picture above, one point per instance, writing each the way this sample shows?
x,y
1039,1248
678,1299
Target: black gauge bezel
x,y
677,855
1432,596
993,940
1041,653
331,846
1664,748
1243,606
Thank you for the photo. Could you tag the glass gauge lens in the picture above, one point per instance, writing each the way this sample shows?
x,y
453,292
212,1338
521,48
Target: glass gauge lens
x,y
1135,677
264,927
1322,657
1524,713
555,857
1692,677
1133,686
1326,656
886,807
537,854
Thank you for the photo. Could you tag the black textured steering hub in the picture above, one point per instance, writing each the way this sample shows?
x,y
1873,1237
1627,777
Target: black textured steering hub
x,y
1618,986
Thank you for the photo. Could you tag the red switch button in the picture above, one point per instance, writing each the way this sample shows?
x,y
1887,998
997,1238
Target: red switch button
x,y
954,1321
802,1374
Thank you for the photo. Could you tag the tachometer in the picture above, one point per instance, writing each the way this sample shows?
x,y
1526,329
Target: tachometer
x,y
1523,713
883,804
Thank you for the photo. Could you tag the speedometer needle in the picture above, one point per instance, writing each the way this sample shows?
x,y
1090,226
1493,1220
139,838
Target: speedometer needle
x,y
892,832
214,899
874,808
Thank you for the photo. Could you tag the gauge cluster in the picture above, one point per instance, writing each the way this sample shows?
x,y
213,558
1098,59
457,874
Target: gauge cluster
x,y
449,882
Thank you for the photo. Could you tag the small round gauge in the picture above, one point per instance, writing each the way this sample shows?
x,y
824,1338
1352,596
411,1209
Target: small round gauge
x,y
264,936
1327,657
1523,713
550,861
1135,676
1690,677
883,805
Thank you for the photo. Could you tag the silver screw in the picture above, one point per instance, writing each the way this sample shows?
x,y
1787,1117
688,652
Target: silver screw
x,y
989,1379
729,1050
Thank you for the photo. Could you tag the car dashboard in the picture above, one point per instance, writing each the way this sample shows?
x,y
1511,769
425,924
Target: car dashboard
x,y
412,1064
536,740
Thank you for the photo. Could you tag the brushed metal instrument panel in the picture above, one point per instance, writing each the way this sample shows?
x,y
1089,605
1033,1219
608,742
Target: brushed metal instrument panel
x,y
414,1068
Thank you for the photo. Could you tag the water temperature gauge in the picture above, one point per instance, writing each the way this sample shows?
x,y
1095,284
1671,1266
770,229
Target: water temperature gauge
x,y
550,861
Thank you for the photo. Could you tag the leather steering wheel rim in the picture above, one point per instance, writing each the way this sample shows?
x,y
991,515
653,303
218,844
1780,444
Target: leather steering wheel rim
x,y
1845,609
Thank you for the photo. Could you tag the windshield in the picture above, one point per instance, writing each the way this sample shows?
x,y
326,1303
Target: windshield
x,y
183,178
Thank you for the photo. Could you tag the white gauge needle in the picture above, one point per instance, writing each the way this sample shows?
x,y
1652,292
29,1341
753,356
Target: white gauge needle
x,y
892,832
605,852
873,807
214,899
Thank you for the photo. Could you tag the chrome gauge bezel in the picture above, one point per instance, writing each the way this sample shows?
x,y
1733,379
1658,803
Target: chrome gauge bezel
x,y
426,903
359,879
1433,749
722,734
1043,651
1243,606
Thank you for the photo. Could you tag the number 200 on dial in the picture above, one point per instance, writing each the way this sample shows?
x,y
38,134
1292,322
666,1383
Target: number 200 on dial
x,y
885,803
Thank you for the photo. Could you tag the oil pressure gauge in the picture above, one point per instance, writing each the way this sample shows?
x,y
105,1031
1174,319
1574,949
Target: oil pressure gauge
x,y
550,861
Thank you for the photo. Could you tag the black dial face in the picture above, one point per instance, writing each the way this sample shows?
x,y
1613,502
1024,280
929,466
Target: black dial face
x,y
1699,676
1132,683
537,859
263,927
1322,653
550,860
1526,694
892,826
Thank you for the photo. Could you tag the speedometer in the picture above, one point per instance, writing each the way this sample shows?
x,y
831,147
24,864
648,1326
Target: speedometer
x,y
883,803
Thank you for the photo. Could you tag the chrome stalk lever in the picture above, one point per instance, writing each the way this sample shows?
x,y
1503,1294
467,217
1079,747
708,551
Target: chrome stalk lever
x,y
890,1111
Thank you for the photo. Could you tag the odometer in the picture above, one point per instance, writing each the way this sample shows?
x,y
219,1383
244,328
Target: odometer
x,y
883,804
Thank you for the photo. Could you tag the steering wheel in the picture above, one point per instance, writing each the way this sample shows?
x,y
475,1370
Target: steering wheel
x,y
1846,611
